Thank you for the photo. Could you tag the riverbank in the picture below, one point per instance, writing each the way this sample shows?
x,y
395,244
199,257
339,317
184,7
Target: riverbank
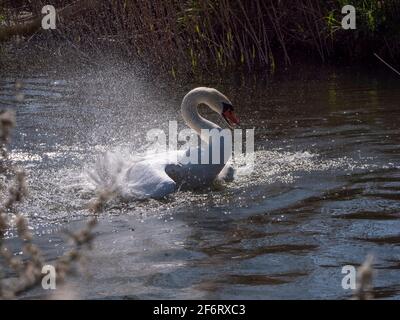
x,y
184,38
30,58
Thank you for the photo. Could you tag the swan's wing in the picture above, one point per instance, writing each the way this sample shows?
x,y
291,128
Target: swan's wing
x,y
148,179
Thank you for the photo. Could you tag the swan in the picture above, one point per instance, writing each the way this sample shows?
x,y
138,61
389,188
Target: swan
x,y
158,175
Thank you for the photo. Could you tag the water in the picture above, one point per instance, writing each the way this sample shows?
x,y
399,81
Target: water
x,y
324,193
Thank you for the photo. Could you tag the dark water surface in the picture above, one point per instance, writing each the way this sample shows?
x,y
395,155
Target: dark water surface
x,y
324,193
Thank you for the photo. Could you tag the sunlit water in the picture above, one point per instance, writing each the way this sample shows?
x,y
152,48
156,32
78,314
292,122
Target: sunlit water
x,y
324,192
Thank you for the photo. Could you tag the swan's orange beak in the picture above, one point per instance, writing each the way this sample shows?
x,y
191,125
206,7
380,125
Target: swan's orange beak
x,y
230,117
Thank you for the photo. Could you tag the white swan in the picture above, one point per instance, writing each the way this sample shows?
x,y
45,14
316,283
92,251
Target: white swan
x,y
161,174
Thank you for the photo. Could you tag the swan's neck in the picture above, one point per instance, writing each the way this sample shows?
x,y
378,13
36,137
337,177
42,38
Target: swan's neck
x,y
196,122
191,114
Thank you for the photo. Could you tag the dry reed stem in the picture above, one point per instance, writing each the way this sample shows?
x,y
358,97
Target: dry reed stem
x,y
29,271
364,289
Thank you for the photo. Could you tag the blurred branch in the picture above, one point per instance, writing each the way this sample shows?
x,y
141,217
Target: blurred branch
x,y
28,272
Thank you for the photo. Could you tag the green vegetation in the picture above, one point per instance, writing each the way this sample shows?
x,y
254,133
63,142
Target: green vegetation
x,y
192,36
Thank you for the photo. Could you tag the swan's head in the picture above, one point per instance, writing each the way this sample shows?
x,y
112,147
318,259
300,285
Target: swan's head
x,y
229,115
214,100
220,104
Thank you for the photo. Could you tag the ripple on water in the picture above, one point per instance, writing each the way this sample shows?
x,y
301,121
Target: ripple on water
x,y
324,190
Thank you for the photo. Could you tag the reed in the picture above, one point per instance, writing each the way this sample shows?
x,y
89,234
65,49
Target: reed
x,y
189,35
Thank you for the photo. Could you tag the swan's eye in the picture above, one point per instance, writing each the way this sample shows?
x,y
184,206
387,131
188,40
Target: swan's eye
x,y
226,107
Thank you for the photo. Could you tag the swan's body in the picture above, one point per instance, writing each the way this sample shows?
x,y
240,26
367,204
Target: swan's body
x,y
158,175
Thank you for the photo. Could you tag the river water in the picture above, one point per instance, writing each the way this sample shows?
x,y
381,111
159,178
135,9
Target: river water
x,y
324,192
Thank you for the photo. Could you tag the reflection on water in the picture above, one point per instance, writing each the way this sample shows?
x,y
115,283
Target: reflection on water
x,y
324,193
